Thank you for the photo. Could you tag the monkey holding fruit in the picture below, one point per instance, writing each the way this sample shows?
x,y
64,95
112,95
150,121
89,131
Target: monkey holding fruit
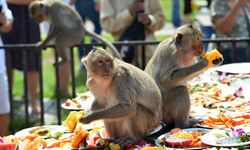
x,y
66,26
126,98
172,65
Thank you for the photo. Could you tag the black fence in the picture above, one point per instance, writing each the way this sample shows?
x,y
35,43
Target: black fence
x,y
28,47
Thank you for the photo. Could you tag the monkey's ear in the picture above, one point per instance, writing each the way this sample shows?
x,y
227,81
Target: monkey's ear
x,y
190,25
94,48
178,37
41,5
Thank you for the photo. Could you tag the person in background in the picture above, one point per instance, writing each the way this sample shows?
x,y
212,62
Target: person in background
x,y
176,18
187,11
88,9
25,30
6,20
132,20
231,19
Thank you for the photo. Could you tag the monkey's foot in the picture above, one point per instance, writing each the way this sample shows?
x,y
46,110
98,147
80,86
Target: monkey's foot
x,y
124,141
59,63
192,122
36,109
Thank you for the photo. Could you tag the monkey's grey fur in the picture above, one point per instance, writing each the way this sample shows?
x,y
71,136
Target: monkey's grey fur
x,y
66,26
127,98
171,66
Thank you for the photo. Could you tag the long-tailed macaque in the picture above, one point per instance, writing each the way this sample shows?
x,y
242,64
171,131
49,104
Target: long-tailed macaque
x,y
66,26
126,98
172,65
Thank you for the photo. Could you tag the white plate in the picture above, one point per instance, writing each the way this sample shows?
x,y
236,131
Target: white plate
x,y
203,126
85,103
157,129
52,128
228,141
158,140
94,124
234,68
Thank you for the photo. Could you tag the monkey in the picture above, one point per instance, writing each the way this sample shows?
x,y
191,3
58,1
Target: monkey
x,y
126,98
171,66
66,26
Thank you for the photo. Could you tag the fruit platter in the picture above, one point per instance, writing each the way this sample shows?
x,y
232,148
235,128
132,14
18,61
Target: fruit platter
x,y
82,101
182,138
229,137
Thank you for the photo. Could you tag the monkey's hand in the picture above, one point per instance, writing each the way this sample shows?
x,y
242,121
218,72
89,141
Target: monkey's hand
x,y
39,45
86,119
214,58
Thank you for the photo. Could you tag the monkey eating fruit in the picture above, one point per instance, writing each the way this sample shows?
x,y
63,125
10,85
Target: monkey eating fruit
x,y
172,65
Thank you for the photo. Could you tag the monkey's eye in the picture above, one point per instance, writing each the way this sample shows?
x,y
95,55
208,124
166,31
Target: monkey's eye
x,y
108,61
100,62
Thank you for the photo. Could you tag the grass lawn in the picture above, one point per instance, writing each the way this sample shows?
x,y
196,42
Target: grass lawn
x,y
48,60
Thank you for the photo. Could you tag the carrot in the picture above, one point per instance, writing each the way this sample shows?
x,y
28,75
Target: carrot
x,y
244,116
214,119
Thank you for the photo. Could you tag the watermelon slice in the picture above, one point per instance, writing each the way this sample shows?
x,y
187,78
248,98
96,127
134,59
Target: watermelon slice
x,y
177,142
8,146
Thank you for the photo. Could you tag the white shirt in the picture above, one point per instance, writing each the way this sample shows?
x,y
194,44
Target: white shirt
x,y
9,17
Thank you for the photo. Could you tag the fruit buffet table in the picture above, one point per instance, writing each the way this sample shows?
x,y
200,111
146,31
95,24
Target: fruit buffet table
x,y
220,99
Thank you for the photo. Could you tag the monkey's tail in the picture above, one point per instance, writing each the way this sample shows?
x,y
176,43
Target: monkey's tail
x,y
105,42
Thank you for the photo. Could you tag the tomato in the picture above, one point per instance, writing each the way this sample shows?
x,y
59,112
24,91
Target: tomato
x,y
96,138
67,103
217,93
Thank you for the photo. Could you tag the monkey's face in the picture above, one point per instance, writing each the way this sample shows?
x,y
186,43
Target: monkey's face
x,y
38,11
189,37
197,46
99,62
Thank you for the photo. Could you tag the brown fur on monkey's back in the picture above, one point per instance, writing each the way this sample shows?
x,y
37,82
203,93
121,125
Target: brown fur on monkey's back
x,y
140,83
164,50
70,20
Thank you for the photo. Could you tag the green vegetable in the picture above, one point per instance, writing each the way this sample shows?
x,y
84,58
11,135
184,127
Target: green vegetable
x,y
245,137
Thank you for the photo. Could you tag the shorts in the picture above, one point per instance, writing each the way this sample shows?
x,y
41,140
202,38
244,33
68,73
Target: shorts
x,y
4,94
32,60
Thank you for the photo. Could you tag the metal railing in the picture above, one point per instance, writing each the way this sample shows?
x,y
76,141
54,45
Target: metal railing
x,y
28,47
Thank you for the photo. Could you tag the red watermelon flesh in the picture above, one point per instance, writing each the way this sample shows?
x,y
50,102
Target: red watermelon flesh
x,y
176,142
7,146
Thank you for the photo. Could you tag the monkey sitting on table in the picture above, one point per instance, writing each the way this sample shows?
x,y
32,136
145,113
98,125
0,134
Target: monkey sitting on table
x,y
171,66
126,98
66,26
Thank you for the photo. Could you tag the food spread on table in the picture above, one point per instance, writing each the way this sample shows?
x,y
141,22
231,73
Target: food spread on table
x,y
219,100
182,138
